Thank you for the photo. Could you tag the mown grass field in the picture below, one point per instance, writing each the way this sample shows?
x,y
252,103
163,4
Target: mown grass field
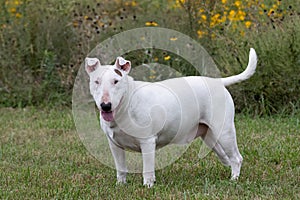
x,y
42,157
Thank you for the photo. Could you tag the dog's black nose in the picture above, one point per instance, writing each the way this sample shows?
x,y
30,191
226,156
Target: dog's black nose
x,y
106,106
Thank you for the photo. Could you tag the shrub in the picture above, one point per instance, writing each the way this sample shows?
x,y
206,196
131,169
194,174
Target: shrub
x,y
228,28
36,47
275,87
43,44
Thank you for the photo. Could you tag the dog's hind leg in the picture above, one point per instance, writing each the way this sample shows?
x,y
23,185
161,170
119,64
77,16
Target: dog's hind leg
x,y
211,141
227,141
225,146
221,154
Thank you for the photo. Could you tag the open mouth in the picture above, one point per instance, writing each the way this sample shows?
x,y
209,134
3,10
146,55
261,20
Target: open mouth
x,y
107,115
110,115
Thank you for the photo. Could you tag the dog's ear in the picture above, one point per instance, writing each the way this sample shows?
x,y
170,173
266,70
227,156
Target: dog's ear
x,y
123,64
91,64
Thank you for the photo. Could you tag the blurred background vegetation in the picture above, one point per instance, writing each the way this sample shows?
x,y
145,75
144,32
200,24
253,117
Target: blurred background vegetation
x,y
44,42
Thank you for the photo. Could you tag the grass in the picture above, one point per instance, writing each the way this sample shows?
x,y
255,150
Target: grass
x,y
42,157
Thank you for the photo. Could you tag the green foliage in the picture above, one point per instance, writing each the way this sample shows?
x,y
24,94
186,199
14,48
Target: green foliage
x,y
43,44
275,86
36,47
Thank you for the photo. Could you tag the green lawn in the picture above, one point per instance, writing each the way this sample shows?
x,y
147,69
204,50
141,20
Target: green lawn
x,y
42,157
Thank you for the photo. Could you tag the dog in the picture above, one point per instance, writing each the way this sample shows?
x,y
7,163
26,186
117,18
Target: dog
x,y
144,116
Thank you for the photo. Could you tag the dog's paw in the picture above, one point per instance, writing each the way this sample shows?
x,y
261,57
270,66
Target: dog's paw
x,y
234,178
121,179
149,181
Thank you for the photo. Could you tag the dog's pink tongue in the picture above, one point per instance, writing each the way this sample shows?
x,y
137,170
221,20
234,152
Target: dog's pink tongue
x,y
107,116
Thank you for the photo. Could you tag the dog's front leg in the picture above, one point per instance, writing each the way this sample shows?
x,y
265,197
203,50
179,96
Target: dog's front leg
x,y
148,153
119,158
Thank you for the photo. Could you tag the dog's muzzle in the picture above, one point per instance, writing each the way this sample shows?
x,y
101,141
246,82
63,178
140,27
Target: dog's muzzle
x,y
106,112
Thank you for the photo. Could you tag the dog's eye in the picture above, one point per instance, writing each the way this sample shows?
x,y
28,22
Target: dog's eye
x,y
116,81
97,82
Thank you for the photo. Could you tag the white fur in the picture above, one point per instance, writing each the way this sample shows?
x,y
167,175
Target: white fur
x,y
146,116
250,70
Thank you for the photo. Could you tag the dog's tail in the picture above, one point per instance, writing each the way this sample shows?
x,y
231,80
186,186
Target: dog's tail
x,y
245,74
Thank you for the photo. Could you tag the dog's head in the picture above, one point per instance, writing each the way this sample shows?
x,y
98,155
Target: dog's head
x,y
108,84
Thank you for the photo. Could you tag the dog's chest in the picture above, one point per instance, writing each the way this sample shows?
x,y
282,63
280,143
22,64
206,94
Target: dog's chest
x,y
124,140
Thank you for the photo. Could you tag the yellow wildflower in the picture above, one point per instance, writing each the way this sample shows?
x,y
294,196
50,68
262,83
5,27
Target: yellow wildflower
x,y
166,58
17,3
18,15
238,3
278,3
271,12
201,33
151,23
241,15
173,38
274,6
216,16
224,1
13,10
203,17
215,20
232,14
180,1
133,3
248,24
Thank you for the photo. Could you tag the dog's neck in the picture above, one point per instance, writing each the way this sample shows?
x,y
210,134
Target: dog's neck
x,y
123,106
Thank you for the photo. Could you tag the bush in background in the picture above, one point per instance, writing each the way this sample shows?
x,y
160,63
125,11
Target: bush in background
x,y
36,46
275,86
43,44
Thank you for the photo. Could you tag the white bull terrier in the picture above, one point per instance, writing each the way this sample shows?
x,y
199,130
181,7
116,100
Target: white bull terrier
x,y
143,116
